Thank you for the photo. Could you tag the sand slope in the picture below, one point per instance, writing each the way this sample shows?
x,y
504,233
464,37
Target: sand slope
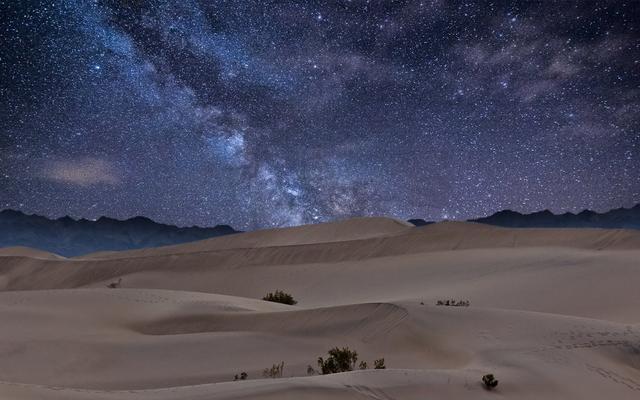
x,y
554,314
19,251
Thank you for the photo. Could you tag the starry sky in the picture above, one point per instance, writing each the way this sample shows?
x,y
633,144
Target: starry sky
x,y
273,113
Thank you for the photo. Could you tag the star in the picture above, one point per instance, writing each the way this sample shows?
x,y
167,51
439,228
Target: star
x,y
258,115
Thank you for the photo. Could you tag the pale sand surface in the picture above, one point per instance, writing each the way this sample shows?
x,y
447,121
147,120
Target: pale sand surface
x,y
555,314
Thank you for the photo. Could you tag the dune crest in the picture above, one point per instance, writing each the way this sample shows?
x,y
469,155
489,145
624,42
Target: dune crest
x,y
20,251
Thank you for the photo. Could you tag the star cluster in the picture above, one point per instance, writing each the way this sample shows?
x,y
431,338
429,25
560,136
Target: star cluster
x,y
271,113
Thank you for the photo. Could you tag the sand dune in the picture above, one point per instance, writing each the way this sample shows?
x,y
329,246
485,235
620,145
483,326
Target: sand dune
x,y
553,314
19,251
360,238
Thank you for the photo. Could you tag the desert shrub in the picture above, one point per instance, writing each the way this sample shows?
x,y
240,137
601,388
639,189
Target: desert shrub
x,y
489,381
275,371
379,364
280,297
339,360
243,376
115,285
342,360
453,303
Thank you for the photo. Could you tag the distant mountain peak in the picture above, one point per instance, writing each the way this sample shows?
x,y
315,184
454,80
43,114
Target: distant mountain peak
x,y
507,212
628,218
70,237
11,212
419,222
545,213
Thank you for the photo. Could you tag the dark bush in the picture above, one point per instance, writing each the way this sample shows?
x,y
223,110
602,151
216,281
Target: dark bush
x,y
280,297
342,360
454,303
339,360
115,285
243,376
489,381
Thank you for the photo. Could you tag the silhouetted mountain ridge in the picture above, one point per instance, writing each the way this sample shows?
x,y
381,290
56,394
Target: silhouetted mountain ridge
x,y
628,218
70,237
419,222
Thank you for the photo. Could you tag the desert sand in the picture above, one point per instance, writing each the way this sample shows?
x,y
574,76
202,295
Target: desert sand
x,y
554,314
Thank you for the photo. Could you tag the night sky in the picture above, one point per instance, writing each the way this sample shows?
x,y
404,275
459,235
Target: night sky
x,y
270,113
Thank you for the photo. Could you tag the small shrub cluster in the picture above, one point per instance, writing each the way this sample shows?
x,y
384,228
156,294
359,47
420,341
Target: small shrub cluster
x,y
280,297
275,371
243,376
342,360
379,364
454,303
489,381
115,285
339,360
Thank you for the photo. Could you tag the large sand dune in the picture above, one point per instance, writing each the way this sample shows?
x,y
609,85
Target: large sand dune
x,y
554,314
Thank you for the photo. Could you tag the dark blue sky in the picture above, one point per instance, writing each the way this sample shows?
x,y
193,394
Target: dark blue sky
x,y
262,113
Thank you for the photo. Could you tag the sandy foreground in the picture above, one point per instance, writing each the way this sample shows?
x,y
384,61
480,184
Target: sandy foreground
x,y
554,314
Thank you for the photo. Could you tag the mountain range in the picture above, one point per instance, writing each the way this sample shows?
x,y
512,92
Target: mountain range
x,y
627,218
70,237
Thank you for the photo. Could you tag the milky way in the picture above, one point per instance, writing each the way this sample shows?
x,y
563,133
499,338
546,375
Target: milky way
x,y
271,113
